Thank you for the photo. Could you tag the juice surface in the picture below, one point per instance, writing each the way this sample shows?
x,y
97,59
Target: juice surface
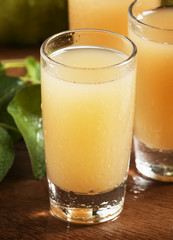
x,y
154,105
161,18
108,15
87,122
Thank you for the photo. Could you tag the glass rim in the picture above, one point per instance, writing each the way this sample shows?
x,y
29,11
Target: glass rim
x,y
130,13
47,58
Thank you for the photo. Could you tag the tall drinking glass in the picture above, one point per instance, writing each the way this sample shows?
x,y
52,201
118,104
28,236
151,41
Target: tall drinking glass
x,y
110,15
88,97
151,28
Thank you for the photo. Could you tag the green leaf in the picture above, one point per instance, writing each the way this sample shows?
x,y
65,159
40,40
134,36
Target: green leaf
x,y
166,3
26,111
8,88
2,70
6,152
33,70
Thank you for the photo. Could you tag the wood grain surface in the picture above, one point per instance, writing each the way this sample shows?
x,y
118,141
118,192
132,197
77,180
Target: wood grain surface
x,y
24,203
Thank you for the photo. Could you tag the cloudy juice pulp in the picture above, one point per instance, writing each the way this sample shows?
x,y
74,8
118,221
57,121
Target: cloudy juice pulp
x,y
154,104
109,15
87,121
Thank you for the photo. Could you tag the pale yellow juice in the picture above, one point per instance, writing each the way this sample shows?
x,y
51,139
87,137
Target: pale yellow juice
x,y
87,122
109,15
154,106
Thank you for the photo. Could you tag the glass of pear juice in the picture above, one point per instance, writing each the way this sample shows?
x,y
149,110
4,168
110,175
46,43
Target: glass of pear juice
x,y
151,28
88,98
111,15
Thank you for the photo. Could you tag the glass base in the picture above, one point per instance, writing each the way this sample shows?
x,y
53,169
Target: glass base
x,y
153,163
85,208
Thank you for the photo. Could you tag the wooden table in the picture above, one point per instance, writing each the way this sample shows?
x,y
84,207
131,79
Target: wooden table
x,y
24,203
